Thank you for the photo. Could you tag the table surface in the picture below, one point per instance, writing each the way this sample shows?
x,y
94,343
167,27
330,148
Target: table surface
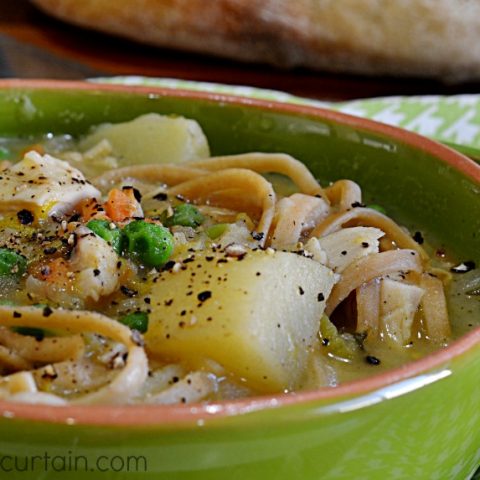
x,y
35,45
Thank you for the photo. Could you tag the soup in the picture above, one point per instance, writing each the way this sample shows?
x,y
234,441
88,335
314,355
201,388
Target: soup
x,y
135,268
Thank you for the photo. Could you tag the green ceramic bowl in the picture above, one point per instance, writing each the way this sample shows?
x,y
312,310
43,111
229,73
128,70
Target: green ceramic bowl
x,y
421,421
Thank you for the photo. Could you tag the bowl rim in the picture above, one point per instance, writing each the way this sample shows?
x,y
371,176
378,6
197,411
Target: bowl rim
x,y
138,416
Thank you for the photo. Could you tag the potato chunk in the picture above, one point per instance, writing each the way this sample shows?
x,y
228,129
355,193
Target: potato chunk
x,y
257,315
398,305
152,138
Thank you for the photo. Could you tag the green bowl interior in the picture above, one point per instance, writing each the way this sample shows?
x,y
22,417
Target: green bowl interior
x,y
300,440
415,187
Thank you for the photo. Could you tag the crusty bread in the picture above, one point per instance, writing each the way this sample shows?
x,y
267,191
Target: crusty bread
x,y
435,38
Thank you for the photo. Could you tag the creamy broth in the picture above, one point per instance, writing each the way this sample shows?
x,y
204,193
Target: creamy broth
x,y
151,291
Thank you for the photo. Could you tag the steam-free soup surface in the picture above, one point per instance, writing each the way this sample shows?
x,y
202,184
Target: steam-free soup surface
x,y
135,267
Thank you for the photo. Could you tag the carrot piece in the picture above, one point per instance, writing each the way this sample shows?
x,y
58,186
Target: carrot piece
x,y
121,204
56,271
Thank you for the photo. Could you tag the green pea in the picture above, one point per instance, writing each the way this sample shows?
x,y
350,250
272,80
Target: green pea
x,y
378,208
136,321
185,215
113,236
147,243
12,263
217,230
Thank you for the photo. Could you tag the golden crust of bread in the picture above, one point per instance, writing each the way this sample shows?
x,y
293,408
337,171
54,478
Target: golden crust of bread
x,y
436,38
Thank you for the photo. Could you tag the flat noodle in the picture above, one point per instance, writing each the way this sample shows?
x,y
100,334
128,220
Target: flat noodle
x,y
49,350
345,194
368,308
294,215
369,218
371,267
434,306
253,185
126,383
267,163
167,173
237,201
193,388
12,360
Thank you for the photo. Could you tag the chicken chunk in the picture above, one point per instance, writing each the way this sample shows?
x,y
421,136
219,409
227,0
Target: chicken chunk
x,y
45,185
348,245
399,303
90,273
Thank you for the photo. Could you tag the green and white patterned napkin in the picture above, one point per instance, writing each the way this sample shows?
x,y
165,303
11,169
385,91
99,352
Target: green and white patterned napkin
x,y
454,120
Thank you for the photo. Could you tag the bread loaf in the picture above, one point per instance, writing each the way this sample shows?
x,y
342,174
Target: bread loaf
x,y
431,38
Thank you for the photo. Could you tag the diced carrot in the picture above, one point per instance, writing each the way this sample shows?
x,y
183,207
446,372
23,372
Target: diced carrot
x,y
55,271
121,204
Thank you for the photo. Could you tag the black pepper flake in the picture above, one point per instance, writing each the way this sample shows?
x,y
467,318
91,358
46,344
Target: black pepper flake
x,y
25,217
47,311
209,258
258,235
147,300
301,291
365,244
372,360
52,375
325,342
136,193
358,204
160,196
45,271
128,291
168,302
464,267
49,250
418,237
320,297
203,296
169,265
17,315
343,252
96,272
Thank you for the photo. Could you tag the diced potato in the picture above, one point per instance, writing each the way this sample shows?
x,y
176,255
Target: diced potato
x,y
258,316
152,138
349,244
398,305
